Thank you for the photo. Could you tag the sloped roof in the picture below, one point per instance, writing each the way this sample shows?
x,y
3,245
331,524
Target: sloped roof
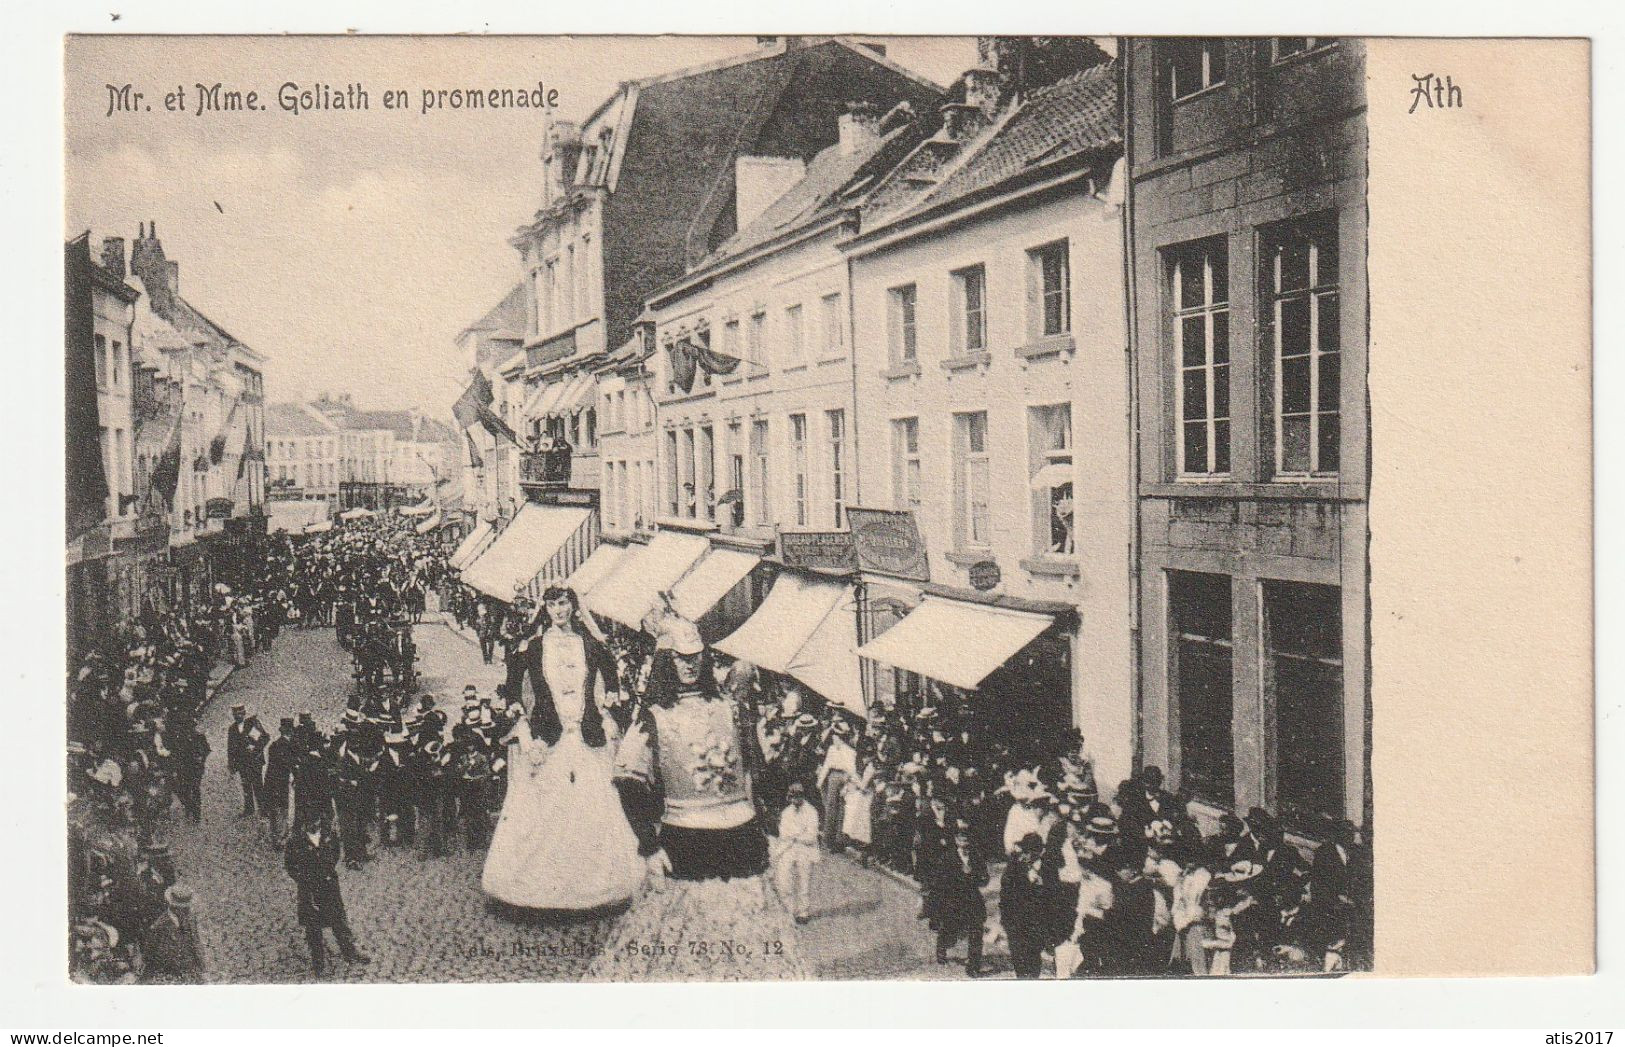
x,y
291,420
1070,118
401,423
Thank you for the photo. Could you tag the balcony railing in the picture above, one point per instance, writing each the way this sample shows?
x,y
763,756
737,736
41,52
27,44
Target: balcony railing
x,y
550,468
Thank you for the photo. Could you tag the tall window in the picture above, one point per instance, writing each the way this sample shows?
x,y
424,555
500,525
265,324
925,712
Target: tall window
x,y
546,303
707,465
1303,682
1200,297
973,480
1049,274
905,443
1050,465
567,286
691,492
970,310
831,325
121,464
754,337
1200,677
903,339
101,362
736,473
795,350
837,465
759,480
1300,273
730,338
611,499
584,279
672,483
1192,65
629,504
118,364
798,461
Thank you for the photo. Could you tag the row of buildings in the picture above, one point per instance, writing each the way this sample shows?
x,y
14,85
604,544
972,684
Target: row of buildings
x,y
331,456
1043,392
165,415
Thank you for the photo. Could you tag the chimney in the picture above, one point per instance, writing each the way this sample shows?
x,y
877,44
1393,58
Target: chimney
x,y
859,127
960,121
760,180
562,150
113,255
985,89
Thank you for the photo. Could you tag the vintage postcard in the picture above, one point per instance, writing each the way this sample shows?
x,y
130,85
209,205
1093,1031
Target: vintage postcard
x,y
802,507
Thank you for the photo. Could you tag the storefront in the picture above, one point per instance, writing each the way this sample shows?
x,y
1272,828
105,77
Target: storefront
x,y
805,630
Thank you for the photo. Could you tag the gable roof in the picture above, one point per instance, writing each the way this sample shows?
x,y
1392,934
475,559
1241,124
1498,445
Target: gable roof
x,y
292,420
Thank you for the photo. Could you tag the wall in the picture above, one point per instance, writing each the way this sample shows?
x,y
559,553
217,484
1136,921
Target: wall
x,y
1290,142
1087,371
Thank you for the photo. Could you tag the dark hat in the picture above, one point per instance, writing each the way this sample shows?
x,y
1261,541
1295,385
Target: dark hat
x,y
239,708
287,723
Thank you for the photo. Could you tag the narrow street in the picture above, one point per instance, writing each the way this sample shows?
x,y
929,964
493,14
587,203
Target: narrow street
x,y
425,920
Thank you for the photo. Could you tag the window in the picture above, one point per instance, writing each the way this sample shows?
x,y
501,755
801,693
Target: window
x,y
1284,47
691,503
121,460
707,465
649,491
671,473
623,421
101,362
759,480
970,307
610,495
567,282
904,337
583,280
545,315
972,480
833,328
753,343
1199,631
905,443
628,502
837,465
118,364
1050,274
1192,65
798,455
1050,462
592,427
1303,684
1201,327
730,338
736,474
1300,274
794,349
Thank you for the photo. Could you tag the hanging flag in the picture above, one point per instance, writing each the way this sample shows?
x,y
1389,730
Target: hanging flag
x,y
682,365
496,426
166,474
712,361
474,459
478,394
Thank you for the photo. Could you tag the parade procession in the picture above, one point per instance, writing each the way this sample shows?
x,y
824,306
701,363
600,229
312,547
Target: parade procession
x,y
836,554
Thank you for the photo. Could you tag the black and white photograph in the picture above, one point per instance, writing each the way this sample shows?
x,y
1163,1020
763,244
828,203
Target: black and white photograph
x,y
747,508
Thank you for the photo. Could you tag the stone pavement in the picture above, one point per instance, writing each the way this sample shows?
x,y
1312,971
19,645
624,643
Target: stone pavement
x,y
425,920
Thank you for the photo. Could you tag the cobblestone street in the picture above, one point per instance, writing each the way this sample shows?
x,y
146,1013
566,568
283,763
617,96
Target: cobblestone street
x,y
425,920
419,920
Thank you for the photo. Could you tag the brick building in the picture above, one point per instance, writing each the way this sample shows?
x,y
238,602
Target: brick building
x,y
1246,220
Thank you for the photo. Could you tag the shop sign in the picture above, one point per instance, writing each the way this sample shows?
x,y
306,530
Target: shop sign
x,y
585,499
217,508
887,541
984,575
818,550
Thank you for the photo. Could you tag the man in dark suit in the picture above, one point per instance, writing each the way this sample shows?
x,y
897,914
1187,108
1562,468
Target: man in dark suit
x,y
280,757
245,755
312,859
191,748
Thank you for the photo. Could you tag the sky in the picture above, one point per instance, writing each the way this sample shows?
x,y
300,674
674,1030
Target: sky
x,y
349,248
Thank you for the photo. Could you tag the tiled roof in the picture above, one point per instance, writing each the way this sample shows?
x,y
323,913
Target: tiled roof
x,y
818,195
1074,116
291,420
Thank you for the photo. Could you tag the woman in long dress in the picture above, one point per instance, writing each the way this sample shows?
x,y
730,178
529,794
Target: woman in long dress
x,y
707,912
563,842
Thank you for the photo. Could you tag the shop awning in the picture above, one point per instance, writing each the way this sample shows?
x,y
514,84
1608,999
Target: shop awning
x,y
710,580
806,629
523,550
629,594
294,517
357,513
576,395
428,523
540,404
472,545
422,509
595,568
955,642
318,528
